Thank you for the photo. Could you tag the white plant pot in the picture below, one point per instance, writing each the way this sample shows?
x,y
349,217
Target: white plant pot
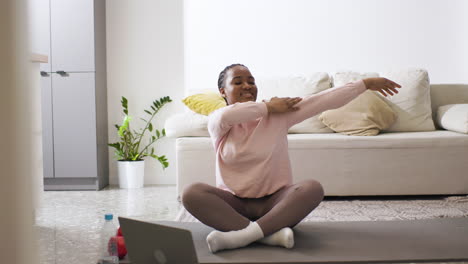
x,y
131,174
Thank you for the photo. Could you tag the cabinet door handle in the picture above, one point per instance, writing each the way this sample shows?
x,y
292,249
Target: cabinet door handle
x,y
62,73
44,74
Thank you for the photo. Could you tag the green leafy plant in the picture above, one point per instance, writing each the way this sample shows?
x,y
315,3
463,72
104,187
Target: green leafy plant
x,y
131,146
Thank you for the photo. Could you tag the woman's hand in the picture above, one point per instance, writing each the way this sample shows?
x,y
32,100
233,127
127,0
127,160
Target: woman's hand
x,y
283,104
382,85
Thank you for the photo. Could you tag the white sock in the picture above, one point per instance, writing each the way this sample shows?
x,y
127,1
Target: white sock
x,y
234,239
283,237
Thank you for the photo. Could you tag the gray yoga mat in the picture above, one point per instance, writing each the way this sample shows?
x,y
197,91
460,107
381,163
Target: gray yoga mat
x,y
341,242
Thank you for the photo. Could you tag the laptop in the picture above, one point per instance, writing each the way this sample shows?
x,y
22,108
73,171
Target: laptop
x,y
150,243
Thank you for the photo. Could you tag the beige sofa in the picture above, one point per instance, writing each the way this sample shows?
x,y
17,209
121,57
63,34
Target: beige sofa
x,y
391,163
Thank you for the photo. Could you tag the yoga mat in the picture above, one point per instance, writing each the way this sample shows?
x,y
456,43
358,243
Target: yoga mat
x,y
342,242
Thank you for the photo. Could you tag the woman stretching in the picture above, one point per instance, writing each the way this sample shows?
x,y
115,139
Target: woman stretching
x,y
255,198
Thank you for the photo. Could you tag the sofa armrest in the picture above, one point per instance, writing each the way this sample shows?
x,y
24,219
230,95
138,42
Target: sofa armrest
x,y
453,117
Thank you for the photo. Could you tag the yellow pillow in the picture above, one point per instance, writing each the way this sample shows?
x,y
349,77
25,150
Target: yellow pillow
x,y
366,115
204,103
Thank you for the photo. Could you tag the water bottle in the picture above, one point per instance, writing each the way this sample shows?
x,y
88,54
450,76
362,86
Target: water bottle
x,y
109,251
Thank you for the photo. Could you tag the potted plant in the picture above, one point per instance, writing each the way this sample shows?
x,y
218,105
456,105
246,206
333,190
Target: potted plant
x,y
131,151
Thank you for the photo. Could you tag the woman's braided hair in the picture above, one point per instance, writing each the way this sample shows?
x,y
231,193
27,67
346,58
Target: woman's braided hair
x,y
222,74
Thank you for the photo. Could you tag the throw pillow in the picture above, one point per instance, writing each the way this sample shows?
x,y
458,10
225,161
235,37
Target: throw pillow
x,y
412,104
453,117
292,86
366,115
189,124
204,103
342,78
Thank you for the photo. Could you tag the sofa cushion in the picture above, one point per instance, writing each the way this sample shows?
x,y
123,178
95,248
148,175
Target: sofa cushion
x,y
292,86
366,115
413,101
393,140
453,117
344,77
366,121
430,139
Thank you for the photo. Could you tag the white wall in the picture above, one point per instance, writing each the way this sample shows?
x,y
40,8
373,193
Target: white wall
x,y
299,36
144,63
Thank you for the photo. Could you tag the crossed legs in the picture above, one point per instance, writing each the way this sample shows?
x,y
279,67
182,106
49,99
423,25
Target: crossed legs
x,y
226,212
288,206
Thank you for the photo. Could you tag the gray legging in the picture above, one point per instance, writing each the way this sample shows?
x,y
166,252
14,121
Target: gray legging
x,y
224,211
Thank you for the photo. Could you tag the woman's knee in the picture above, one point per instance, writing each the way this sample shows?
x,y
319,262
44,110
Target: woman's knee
x,y
311,188
192,192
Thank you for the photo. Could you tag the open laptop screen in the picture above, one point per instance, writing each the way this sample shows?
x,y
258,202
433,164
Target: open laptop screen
x,y
150,243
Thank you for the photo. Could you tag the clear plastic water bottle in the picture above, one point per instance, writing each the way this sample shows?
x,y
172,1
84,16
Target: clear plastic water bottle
x,y
109,251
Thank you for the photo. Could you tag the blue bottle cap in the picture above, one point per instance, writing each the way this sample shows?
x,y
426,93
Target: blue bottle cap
x,y
108,217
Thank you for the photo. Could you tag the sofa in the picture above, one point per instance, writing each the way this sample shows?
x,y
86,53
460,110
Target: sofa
x,y
426,156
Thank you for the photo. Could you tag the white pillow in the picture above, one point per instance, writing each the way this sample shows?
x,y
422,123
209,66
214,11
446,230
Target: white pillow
x,y
292,86
453,117
412,104
342,78
188,124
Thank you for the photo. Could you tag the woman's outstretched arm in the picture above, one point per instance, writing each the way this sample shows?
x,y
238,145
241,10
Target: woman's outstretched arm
x,y
336,97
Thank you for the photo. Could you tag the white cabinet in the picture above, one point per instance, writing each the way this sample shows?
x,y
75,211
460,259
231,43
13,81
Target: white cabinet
x,y
73,87
74,115
72,35
47,126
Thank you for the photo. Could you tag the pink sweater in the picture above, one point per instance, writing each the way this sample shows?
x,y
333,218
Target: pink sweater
x,y
251,145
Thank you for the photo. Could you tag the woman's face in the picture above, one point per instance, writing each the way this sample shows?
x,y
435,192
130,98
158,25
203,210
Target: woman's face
x,y
239,86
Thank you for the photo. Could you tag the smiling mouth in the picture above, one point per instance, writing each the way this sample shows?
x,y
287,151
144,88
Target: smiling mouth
x,y
247,95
